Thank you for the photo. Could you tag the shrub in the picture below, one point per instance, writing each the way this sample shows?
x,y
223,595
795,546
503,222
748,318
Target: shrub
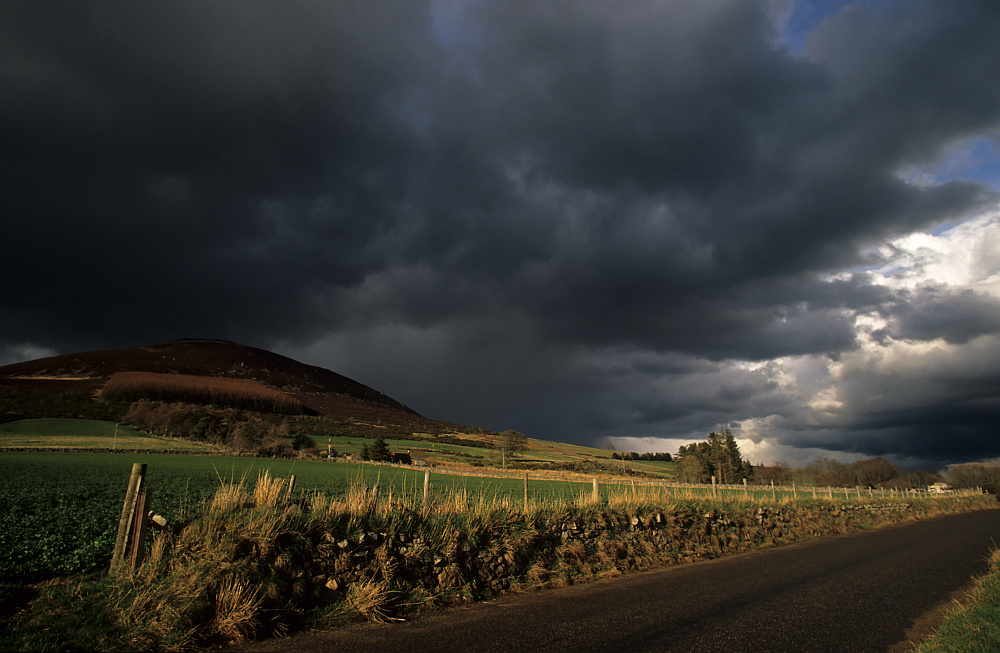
x,y
301,441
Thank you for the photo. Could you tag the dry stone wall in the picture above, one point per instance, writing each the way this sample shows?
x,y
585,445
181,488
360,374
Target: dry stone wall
x,y
450,564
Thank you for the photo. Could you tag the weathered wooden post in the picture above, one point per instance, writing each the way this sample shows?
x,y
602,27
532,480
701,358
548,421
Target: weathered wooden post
x,y
291,487
596,495
427,490
140,527
795,493
526,492
128,509
633,490
713,487
745,490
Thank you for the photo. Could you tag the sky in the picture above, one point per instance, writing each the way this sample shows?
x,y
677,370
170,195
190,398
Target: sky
x,y
587,221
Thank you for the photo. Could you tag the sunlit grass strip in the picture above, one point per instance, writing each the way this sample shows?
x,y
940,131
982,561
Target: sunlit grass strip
x,y
973,626
62,433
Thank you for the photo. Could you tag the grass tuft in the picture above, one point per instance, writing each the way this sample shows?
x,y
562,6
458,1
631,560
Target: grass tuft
x,y
237,608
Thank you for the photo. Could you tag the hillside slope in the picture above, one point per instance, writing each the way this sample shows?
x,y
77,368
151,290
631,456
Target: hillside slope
x,y
44,380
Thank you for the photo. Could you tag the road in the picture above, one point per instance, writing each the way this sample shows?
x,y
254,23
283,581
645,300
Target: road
x,y
856,593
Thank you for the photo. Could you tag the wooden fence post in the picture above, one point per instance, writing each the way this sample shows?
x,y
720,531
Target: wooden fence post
x,y
526,492
140,528
596,494
774,495
713,487
744,486
128,509
427,490
291,487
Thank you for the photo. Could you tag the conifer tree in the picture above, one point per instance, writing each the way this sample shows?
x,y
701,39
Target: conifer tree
x,y
718,456
379,451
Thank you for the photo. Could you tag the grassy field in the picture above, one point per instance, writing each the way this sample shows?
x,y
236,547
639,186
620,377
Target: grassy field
x,y
538,453
62,508
59,433
434,451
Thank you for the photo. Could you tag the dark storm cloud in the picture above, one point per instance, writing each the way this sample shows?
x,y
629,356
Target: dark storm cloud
x,y
507,192
955,316
943,414
215,159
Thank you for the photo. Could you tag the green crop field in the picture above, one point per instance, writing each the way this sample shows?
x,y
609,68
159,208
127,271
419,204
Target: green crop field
x,y
58,433
62,509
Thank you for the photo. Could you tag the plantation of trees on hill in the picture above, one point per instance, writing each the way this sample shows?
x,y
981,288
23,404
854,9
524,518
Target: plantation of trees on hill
x,y
235,393
235,429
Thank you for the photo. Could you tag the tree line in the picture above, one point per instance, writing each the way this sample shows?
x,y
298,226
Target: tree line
x,y
870,472
234,429
631,455
969,475
718,456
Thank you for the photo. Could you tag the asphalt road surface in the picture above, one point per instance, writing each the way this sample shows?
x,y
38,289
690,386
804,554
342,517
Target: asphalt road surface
x,y
870,591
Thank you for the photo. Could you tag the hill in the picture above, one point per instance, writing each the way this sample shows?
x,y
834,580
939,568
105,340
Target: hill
x,y
65,386
142,386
